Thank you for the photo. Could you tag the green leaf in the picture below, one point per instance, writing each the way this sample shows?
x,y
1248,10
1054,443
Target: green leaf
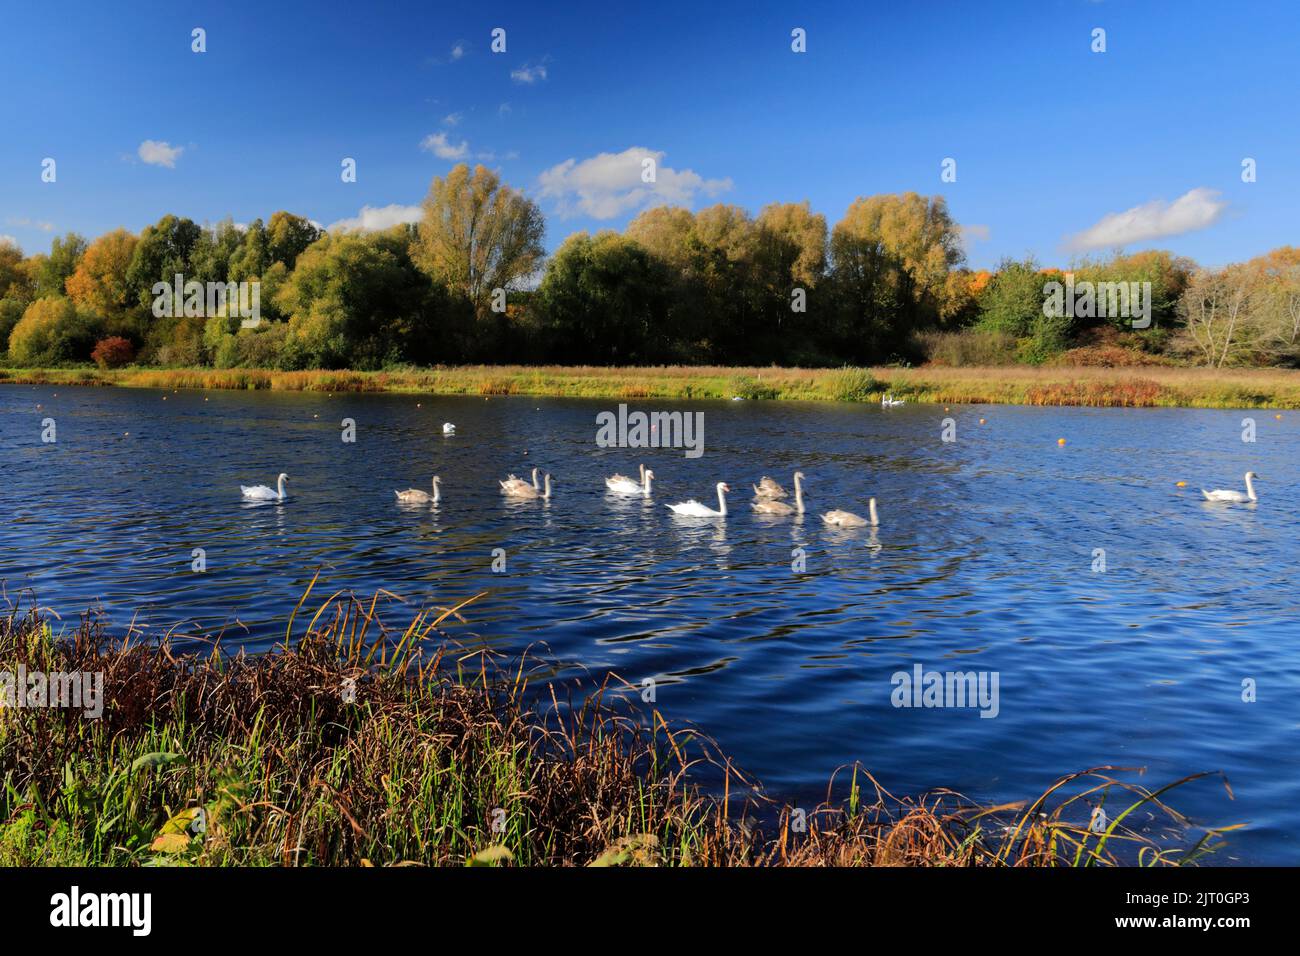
x,y
156,759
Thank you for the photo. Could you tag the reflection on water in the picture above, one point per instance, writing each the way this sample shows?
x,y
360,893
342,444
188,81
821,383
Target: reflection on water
x,y
776,635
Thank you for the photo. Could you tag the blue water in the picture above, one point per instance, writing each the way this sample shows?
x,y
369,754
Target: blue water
x,y
983,561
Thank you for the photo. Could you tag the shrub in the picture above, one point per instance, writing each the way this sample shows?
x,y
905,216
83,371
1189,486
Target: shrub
x,y
11,311
52,332
974,347
746,387
113,352
854,385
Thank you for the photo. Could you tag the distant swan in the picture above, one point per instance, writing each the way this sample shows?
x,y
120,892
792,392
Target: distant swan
x,y
520,488
448,428
1235,496
416,496
626,486
525,490
846,519
890,402
693,509
263,493
767,488
768,506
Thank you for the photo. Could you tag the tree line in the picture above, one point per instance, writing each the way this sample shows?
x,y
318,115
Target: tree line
x,y
470,282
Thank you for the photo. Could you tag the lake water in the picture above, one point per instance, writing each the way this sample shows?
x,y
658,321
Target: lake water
x,y
983,561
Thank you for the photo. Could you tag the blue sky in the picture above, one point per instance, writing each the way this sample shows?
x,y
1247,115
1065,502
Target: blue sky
x,y
1050,138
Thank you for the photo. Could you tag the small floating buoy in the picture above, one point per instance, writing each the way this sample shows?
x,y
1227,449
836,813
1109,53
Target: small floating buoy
x,y
1278,417
981,421
1180,484
1060,441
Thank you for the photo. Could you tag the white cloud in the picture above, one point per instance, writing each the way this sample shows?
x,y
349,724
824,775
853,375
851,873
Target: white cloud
x,y
529,73
437,144
1195,209
503,109
459,50
159,153
30,223
377,218
610,184
972,234
9,241
452,119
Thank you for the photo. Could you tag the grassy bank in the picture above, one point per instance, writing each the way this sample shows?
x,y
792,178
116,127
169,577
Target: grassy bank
x,y
1018,385
355,745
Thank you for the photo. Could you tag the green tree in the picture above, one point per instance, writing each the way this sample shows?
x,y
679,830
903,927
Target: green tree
x,y
11,311
892,255
603,301
1013,299
478,234
52,332
163,251
55,269
358,301
13,274
288,236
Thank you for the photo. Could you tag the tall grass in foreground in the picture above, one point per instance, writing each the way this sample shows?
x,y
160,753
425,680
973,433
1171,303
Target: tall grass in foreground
x,y
352,744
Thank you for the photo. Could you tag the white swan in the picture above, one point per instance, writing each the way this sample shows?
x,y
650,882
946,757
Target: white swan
x,y
626,486
768,506
263,493
767,488
525,490
1235,496
846,519
693,509
448,428
416,496
890,402
520,488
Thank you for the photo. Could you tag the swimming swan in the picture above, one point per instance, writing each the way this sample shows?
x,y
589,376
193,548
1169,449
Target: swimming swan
x,y
693,509
1235,496
626,486
767,506
520,488
846,519
448,428
767,488
263,493
416,496
525,490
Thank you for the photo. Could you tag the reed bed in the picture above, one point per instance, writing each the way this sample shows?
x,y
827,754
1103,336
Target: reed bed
x,y
1140,386
353,744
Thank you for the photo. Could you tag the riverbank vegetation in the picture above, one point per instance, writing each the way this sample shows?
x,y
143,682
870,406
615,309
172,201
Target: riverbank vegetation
x,y
470,283
1097,386
356,745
